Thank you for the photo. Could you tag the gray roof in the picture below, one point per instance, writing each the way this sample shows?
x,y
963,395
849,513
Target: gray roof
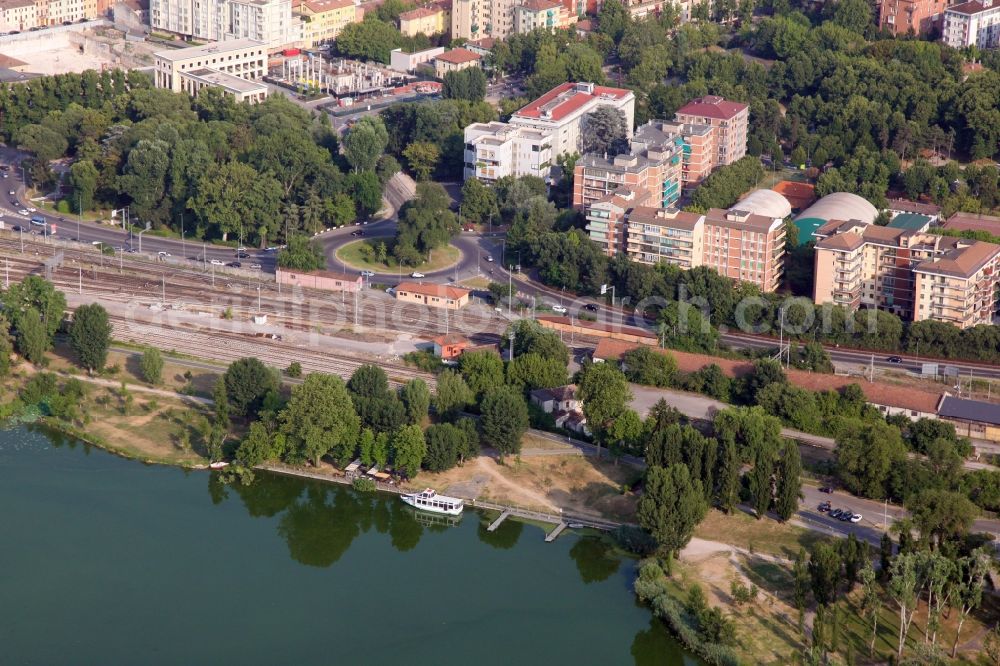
x,y
840,206
969,410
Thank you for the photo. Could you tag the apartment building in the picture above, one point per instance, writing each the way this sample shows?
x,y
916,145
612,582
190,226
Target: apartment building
x,y
911,17
267,21
741,246
17,15
189,70
915,275
494,150
560,112
651,168
972,24
322,20
455,60
475,19
429,20
729,120
544,14
57,12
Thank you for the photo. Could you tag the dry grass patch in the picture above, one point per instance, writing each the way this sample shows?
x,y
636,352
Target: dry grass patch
x,y
763,536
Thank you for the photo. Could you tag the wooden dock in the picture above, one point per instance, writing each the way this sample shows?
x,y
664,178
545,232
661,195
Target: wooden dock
x,y
551,536
496,523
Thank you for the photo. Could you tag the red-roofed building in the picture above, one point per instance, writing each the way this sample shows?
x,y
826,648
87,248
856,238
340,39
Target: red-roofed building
x,y
434,295
326,280
455,60
729,119
917,17
449,347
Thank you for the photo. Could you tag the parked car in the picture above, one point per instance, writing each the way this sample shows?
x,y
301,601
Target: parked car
x,y
835,513
24,212
217,262
241,254
415,274
489,257
895,359
11,193
856,518
826,489
561,309
845,516
367,273
823,507
590,307
389,290
162,253
255,267
234,264
32,210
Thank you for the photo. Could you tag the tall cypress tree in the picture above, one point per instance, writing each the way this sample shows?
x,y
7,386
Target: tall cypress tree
x,y
729,476
786,501
762,480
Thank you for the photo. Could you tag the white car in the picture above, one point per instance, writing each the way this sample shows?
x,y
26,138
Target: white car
x,y
32,210
367,273
856,518
161,253
217,262
390,291
560,309
415,274
24,211
255,267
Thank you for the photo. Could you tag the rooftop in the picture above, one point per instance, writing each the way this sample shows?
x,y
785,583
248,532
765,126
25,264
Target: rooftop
x,y
907,206
432,289
539,5
664,217
459,56
971,8
320,6
451,339
964,261
15,4
223,80
973,222
419,13
736,219
910,221
560,393
214,48
799,195
568,97
332,275
969,410
846,241
712,106
485,43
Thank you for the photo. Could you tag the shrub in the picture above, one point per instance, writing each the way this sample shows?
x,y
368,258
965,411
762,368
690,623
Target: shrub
x,y
294,370
635,540
363,485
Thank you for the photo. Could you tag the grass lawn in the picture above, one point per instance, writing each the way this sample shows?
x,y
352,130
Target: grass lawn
x,y
357,256
760,536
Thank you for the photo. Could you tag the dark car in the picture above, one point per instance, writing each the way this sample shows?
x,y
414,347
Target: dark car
x,y
592,307
17,227
823,507
835,513
826,489
895,359
242,255
845,516
234,264
357,233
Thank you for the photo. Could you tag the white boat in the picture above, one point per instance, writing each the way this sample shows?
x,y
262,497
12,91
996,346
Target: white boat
x,y
429,500
218,465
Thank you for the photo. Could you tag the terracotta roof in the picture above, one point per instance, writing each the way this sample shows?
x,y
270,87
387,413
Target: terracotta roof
x,y
712,106
320,6
846,241
971,8
964,261
597,326
657,216
568,97
734,220
15,4
431,289
879,393
459,56
419,13
486,43
332,275
907,206
886,234
450,339
973,222
800,195
540,5
585,25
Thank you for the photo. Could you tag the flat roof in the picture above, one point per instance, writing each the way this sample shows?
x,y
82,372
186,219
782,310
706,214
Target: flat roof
x,y
910,221
567,97
210,49
224,80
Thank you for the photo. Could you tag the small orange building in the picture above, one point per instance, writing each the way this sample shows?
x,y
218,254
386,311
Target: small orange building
x,y
327,280
449,347
434,295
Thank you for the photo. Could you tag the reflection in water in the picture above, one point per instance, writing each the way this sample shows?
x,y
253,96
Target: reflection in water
x,y
320,527
594,559
434,522
505,537
654,646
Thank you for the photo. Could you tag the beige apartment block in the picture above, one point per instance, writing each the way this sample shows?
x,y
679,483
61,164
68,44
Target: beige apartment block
x,y
17,15
475,19
729,120
242,58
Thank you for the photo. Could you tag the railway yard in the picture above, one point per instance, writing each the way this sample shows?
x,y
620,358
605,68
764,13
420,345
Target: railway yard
x,y
220,315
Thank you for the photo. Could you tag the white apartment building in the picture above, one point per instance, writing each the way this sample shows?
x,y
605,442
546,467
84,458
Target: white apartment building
x,y
494,150
244,59
17,15
560,112
974,23
267,21
475,19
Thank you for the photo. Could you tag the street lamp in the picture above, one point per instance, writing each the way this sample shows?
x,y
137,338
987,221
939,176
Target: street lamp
x,y
140,238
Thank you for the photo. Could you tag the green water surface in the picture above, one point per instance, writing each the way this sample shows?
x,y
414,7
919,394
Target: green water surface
x,y
109,561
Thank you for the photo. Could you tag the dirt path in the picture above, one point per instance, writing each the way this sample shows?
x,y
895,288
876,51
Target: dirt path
x,y
521,493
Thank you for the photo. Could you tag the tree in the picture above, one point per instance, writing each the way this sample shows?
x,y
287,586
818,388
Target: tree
x,y
83,179
671,507
452,395
151,365
255,448
32,339
941,514
416,399
802,583
789,489
626,434
6,346
301,254
604,131
408,449
970,582
234,198
320,418
505,419
366,192
90,336
469,84
445,444
644,365
761,478
247,382
365,142
37,293
865,455
483,371
729,476
604,392
613,19
422,157
824,572
532,371
369,381
220,401
903,590
871,602
479,202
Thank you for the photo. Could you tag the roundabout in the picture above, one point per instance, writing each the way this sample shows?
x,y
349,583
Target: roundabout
x,y
364,255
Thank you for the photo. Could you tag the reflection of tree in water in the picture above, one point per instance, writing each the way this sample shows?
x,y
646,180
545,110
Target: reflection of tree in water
x,y
319,531
655,647
406,531
269,494
217,489
594,559
505,536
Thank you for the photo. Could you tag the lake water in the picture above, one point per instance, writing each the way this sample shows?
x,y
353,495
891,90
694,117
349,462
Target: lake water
x,y
109,561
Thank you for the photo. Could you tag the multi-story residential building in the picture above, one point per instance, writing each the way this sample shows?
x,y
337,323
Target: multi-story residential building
x,y
494,150
475,19
560,112
57,12
729,120
652,168
741,246
428,20
268,21
699,148
915,275
322,20
241,59
974,23
545,14
17,15
911,17
455,60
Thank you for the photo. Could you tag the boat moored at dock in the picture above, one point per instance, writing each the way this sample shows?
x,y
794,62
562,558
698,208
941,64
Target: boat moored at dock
x,y
429,500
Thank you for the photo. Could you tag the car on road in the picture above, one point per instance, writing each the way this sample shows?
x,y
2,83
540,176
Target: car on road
x,y
845,516
162,253
856,518
826,489
32,210
823,507
24,212
591,307
415,274
489,257
835,513
17,227
255,267
561,309
357,233
11,193
234,264
241,254
367,273
895,359
273,248
217,262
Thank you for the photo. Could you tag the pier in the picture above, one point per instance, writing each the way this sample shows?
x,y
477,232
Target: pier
x,y
551,536
496,523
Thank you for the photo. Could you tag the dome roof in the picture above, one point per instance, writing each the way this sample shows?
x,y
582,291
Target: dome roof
x,y
764,202
840,206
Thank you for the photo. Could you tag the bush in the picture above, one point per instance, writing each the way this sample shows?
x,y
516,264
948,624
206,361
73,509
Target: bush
x,y
63,206
424,360
294,370
635,540
363,485
151,365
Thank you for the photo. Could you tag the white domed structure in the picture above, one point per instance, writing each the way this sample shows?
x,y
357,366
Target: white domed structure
x,y
767,203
